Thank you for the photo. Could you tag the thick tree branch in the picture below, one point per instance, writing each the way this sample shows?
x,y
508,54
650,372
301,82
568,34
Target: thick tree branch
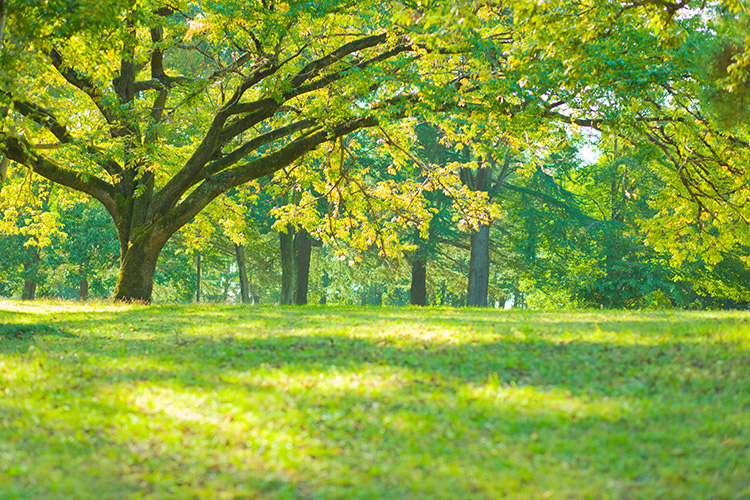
x,y
255,169
49,121
20,151
157,54
42,117
255,115
250,146
125,82
3,18
313,68
4,162
182,180
309,71
259,74
215,138
338,75
85,84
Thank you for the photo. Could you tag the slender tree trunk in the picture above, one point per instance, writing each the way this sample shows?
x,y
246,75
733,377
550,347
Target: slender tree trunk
x,y
372,296
303,252
226,284
83,285
286,244
519,299
255,294
4,162
479,261
325,282
239,251
83,290
198,278
418,290
31,270
479,267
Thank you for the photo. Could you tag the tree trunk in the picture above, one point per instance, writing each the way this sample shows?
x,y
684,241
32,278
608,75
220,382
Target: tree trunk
x,y
226,284
325,282
372,296
136,278
29,289
31,269
286,244
304,250
418,291
3,18
198,278
83,289
255,294
479,267
4,162
83,285
239,251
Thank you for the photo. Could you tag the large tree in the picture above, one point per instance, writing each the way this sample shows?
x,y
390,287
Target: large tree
x,y
157,108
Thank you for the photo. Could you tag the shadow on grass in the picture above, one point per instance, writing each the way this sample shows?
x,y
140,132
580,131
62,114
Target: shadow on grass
x,y
498,417
27,331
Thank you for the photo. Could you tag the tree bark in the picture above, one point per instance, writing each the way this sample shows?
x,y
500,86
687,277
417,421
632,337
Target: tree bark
x,y
31,269
4,162
198,278
3,18
286,244
136,278
479,260
418,290
226,284
303,252
29,289
479,267
83,290
239,251
443,293
83,285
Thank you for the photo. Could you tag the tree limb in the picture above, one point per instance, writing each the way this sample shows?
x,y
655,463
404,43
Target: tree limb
x,y
255,169
46,119
20,151
160,83
250,146
3,18
83,83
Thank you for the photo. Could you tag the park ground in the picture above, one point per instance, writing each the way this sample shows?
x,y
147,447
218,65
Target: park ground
x,y
100,401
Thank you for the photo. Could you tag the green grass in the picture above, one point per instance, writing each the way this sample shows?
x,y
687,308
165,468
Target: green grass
x,y
119,402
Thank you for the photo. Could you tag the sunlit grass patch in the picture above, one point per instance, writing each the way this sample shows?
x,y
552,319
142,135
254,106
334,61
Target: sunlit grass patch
x,y
343,402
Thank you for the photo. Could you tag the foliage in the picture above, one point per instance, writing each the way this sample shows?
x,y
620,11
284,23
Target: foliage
x,y
80,245
275,83
179,118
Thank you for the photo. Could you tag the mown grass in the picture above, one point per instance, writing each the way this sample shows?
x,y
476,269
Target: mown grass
x,y
118,402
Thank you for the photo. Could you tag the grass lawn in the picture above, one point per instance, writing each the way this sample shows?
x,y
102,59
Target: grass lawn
x,y
178,402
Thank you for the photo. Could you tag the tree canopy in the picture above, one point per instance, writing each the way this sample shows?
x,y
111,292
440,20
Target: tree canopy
x,y
157,108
